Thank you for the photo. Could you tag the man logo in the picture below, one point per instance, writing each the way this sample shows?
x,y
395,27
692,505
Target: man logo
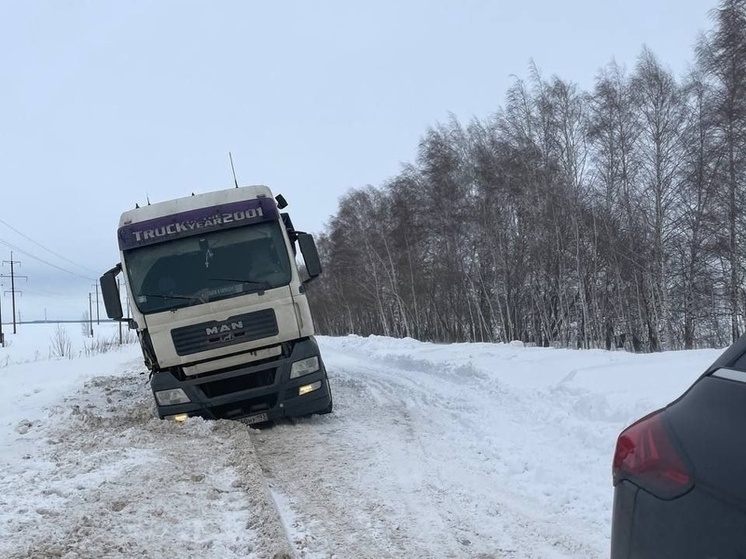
x,y
224,328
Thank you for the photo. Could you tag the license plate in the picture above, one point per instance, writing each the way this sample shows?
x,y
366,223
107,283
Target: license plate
x,y
258,418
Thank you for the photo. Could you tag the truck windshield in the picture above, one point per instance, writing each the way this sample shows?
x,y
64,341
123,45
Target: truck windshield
x,y
208,267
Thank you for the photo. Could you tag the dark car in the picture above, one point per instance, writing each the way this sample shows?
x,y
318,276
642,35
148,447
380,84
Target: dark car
x,y
680,473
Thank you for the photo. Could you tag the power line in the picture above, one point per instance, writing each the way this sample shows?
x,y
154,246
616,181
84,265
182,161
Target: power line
x,y
18,249
68,295
9,226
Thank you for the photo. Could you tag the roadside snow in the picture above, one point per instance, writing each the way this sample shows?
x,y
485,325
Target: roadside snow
x,y
90,473
464,451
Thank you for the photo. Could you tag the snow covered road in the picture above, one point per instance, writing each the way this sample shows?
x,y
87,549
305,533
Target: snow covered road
x,y
463,451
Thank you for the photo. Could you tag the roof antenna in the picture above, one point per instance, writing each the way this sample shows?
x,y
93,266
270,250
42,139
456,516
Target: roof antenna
x,y
147,198
235,180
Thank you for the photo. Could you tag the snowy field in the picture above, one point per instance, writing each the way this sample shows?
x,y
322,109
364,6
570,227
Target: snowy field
x,y
463,451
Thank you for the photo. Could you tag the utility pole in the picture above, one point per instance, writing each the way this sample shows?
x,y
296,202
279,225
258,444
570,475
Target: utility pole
x,y
13,291
90,313
98,319
2,336
126,297
119,288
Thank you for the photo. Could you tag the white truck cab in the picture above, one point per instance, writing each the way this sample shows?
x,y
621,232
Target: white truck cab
x,y
220,307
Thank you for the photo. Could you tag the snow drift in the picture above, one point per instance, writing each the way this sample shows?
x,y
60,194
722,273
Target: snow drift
x,y
464,450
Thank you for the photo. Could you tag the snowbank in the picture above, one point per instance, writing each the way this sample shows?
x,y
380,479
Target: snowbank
x,y
463,450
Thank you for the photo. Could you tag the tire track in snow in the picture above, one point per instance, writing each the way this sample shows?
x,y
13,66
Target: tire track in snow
x,y
470,463
406,467
324,470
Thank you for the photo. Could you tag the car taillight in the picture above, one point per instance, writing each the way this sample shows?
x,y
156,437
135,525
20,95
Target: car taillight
x,y
647,456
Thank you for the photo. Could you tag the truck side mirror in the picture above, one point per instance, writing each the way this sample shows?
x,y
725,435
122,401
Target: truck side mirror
x,y
110,292
310,255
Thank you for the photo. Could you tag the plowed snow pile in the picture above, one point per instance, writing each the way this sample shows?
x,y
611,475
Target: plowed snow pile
x,y
433,451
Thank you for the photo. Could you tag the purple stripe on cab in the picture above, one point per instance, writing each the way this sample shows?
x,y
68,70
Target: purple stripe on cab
x,y
196,222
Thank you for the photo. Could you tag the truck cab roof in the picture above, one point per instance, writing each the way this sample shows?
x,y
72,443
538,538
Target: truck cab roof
x,y
195,201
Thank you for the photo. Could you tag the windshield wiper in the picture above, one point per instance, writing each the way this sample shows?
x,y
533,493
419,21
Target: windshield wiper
x,y
164,296
263,284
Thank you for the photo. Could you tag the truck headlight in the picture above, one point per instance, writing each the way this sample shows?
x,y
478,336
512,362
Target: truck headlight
x,y
171,397
304,367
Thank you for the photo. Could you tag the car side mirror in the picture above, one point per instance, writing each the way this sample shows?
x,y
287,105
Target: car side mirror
x,y
110,293
310,255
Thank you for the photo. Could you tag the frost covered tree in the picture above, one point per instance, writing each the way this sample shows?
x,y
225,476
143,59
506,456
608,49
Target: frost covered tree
x,y
610,218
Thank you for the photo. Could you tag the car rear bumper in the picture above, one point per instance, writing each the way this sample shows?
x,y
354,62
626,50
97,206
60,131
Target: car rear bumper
x,y
695,525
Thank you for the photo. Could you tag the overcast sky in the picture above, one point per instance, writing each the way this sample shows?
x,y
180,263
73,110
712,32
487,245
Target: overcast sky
x,y
104,104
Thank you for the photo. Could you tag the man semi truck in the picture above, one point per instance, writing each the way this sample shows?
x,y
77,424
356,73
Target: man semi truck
x,y
220,306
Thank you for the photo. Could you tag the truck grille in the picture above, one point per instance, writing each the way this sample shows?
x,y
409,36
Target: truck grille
x,y
235,384
235,330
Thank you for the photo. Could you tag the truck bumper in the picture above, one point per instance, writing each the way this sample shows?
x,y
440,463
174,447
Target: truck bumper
x,y
262,391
